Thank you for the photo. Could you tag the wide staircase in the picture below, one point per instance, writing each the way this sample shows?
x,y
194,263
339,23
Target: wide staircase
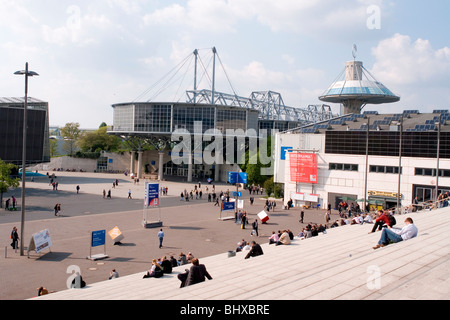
x,y
340,264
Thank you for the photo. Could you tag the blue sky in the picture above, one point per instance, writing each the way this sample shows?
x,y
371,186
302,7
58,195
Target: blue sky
x,y
92,54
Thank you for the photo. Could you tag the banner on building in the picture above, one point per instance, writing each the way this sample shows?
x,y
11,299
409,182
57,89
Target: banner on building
x,y
303,167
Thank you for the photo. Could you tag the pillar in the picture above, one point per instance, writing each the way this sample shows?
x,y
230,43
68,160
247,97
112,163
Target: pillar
x,y
132,162
189,177
217,172
161,166
139,169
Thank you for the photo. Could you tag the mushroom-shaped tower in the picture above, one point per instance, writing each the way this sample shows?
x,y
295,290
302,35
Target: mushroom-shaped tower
x,y
355,87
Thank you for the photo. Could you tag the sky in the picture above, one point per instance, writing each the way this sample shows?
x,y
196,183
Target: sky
x,y
91,54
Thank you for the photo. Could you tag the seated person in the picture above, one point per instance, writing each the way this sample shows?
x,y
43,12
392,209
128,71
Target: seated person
x,y
155,271
368,219
166,265
284,239
291,234
197,273
255,250
189,257
42,291
390,235
273,238
335,224
182,260
381,221
173,261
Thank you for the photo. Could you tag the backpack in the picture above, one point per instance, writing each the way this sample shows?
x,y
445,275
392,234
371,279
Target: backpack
x,y
392,220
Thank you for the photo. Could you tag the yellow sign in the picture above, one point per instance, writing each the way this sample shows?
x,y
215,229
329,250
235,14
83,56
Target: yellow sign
x,y
383,194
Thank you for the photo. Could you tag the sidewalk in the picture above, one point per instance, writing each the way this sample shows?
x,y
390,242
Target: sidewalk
x,y
188,226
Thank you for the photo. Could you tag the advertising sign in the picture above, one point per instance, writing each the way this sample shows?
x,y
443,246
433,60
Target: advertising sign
x,y
98,238
151,196
40,240
227,206
303,167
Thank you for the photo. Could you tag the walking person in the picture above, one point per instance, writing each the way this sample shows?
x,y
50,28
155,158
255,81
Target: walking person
x,y
129,194
255,227
243,220
14,238
57,208
160,237
302,215
78,189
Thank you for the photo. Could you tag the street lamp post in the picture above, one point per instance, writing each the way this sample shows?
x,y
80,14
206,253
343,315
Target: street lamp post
x,y
27,73
437,159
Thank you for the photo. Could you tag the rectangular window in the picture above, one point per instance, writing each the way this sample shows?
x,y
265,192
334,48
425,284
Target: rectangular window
x,y
343,166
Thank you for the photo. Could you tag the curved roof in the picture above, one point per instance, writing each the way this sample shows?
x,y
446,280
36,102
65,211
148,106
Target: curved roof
x,y
356,83
372,92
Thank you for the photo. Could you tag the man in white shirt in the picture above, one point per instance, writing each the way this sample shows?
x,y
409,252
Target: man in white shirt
x,y
160,237
395,235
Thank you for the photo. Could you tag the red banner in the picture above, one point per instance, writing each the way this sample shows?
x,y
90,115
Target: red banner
x,y
303,167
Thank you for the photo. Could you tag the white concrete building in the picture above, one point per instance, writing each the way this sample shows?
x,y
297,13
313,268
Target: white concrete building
x,y
343,163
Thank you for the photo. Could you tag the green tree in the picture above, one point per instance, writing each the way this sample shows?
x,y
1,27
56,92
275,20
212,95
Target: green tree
x,y
53,147
253,166
99,140
70,133
6,181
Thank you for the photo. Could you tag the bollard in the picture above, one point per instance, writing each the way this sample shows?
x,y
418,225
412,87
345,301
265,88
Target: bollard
x,y
6,248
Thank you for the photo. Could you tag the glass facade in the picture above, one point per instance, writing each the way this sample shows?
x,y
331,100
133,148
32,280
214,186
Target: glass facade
x,y
384,143
123,117
152,118
228,118
184,117
11,133
163,118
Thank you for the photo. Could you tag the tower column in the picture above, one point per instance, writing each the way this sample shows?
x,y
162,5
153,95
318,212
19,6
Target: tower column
x,y
132,161
161,166
139,169
189,177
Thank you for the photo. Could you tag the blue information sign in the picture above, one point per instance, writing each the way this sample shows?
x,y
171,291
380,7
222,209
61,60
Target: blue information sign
x,y
227,206
98,238
151,194
237,177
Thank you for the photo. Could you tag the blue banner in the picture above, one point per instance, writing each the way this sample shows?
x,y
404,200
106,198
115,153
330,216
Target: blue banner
x,y
98,238
237,177
227,206
151,197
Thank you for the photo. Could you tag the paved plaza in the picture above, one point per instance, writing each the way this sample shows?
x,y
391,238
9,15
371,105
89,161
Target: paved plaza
x,y
192,226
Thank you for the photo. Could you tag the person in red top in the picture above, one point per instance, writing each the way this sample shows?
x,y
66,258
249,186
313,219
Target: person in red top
x,y
380,221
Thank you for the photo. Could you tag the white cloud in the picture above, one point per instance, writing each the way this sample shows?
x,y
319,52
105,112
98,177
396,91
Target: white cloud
x,y
414,70
401,61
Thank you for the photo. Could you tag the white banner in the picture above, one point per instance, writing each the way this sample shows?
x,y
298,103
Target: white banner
x,y
42,240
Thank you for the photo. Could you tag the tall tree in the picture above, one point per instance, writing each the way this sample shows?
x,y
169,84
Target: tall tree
x,y
6,181
70,133
99,140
